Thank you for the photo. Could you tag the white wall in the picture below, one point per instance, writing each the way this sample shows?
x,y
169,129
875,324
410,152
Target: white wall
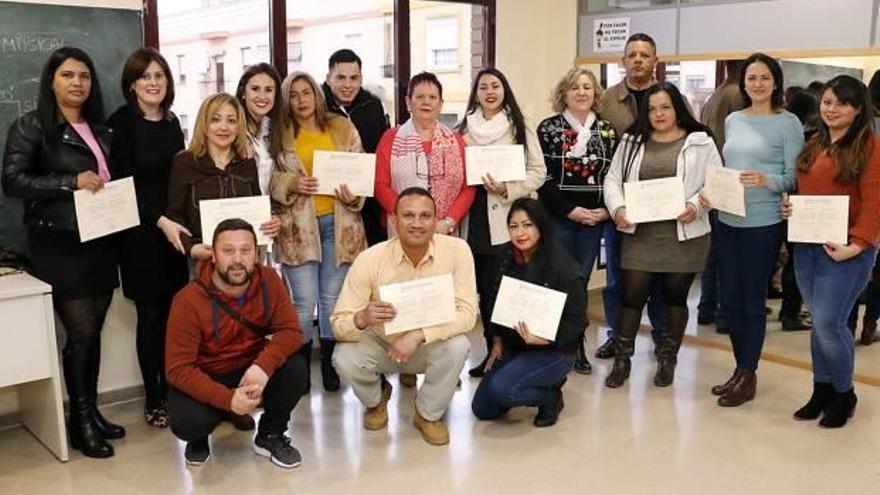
x,y
114,4
535,46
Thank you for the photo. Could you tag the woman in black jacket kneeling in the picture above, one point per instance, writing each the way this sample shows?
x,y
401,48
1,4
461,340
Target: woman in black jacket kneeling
x,y
523,369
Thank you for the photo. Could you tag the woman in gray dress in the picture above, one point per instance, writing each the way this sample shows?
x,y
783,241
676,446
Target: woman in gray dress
x,y
664,141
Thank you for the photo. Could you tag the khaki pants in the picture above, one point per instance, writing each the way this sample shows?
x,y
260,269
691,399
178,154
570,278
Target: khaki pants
x,y
361,363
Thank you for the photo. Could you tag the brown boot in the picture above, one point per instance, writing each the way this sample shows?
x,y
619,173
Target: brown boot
x,y
434,432
376,417
723,388
869,332
742,390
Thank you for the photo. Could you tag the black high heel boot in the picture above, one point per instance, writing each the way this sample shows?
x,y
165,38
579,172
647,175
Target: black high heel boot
x,y
328,372
822,394
670,343
623,351
110,431
841,407
84,433
582,364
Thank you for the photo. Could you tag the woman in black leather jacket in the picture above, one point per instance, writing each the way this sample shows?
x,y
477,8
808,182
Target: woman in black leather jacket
x,y
50,152
523,369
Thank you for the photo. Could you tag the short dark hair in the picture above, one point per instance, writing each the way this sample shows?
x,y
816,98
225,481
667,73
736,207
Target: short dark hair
x,y
232,224
344,56
414,191
641,37
777,98
47,105
135,67
423,77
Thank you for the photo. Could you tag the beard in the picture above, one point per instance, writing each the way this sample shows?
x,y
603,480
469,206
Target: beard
x,y
237,279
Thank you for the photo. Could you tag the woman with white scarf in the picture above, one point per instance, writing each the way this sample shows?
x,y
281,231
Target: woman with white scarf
x,y
578,146
493,118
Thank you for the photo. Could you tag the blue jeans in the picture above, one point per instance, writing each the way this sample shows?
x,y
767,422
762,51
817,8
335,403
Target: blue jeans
x,y
745,259
709,282
830,289
317,284
611,294
520,379
581,242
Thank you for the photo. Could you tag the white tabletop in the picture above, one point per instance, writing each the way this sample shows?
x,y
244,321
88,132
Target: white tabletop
x,y
22,284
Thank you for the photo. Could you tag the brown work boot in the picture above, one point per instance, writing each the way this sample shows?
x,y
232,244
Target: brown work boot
x,y
434,432
376,417
742,390
408,380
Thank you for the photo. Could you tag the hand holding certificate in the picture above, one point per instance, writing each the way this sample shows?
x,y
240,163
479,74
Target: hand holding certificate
x,y
252,209
538,307
725,191
819,219
419,303
107,210
355,170
503,163
654,200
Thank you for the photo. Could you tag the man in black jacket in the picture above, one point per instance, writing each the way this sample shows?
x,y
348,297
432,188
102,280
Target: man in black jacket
x,y
345,96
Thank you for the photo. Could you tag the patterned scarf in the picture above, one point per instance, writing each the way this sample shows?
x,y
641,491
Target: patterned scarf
x,y
441,172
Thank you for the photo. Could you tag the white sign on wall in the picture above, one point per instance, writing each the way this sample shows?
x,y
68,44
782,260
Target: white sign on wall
x,y
610,35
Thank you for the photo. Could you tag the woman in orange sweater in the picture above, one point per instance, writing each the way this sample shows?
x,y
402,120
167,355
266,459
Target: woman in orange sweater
x,y
842,159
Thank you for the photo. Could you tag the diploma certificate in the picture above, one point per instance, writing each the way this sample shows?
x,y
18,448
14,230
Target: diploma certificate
x,y
654,200
110,209
539,307
724,190
504,163
819,219
252,209
419,303
355,170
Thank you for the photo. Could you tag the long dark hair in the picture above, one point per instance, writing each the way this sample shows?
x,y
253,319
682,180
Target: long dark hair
x,y
135,67
777,98
546,250
640,131
851,152
276,128
514,114
47,105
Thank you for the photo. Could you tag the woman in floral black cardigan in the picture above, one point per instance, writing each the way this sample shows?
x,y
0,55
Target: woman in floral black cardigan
x,y
577,146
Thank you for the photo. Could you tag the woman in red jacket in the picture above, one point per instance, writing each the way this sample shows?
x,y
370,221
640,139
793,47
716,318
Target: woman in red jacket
x,y
842,159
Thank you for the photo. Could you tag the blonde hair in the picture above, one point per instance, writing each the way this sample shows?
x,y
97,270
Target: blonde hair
x,y
570,79
321,114
199,144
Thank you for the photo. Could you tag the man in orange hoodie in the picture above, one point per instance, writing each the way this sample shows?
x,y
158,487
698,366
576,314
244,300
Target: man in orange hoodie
x,y
218,358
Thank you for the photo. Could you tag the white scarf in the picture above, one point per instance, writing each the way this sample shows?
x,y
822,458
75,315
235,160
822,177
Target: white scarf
x,y
484,132
584,131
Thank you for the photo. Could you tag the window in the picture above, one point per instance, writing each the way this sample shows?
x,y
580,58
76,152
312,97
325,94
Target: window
x,y
442,42
246,57
184,124
219,74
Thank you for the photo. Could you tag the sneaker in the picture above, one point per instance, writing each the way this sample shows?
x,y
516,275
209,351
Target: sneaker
x,y
276,446
434,432
197,452
376,417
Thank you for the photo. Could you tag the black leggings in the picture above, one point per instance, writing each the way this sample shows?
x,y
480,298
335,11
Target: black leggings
x,y
636,287
83,319
152,317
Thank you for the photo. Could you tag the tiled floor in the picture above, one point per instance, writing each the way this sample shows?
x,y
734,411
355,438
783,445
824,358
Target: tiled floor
x,y
638,439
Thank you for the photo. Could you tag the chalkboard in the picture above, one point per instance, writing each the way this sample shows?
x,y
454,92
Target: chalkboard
x,y
28,34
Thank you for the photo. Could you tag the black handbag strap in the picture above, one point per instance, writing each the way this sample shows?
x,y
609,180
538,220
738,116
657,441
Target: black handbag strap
x,y
260,330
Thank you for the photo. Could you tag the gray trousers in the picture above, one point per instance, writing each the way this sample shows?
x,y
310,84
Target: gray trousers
x,y
361,363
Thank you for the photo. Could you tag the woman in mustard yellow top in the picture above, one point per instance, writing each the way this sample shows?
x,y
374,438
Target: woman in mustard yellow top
x,y
320,234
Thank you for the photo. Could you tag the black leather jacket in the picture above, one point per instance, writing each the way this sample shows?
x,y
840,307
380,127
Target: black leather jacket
x,y
43,173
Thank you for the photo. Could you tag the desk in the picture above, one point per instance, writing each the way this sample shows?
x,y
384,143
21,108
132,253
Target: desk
x,y
29,358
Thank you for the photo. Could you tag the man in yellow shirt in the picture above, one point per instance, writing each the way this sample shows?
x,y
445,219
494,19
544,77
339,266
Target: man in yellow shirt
x,y
364,351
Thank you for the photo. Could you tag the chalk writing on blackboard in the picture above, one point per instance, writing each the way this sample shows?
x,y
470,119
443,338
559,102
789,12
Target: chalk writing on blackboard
x,y
23,43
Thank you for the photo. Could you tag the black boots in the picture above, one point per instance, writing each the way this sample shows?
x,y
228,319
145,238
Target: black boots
x,y
822,394
669,344
328,373
582,364
840,408
548,414
111,431
82,426
623,351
